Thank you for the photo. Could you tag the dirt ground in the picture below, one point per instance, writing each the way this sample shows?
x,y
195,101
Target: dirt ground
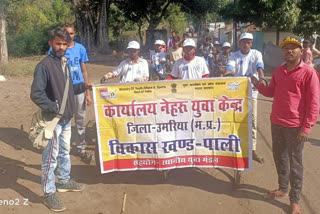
x,y
186,191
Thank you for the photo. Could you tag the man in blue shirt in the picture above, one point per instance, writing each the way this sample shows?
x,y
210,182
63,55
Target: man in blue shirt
x,y
77,58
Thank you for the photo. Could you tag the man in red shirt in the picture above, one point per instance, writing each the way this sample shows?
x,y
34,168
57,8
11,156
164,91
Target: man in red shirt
x,y
295,90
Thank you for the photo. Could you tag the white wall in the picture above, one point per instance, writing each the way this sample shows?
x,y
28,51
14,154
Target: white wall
x,y
272,55
270,36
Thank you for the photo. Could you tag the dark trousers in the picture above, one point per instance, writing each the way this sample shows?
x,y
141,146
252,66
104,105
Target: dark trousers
x,y
287,155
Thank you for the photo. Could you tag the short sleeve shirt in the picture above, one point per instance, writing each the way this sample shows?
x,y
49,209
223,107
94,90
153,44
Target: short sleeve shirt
x,y
155,56
193,69
175,54
76,55
128,72
243,65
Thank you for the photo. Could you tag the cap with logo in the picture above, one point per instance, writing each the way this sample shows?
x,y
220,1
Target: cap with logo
x,y
291,40
159,42
246,36
133,45
189,42
226,44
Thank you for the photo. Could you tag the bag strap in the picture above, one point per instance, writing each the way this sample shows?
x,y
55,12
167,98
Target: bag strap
x,y
66,87
51,125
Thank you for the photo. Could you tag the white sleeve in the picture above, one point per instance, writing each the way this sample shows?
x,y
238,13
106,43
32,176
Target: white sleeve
x,y
145,67
205,69
259,60
175,69
119,69
231,63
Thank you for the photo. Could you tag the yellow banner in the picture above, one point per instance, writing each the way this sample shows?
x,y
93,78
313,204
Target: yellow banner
x,y
173,124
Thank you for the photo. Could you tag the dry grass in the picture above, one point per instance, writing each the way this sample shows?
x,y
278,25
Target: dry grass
x,y
20,66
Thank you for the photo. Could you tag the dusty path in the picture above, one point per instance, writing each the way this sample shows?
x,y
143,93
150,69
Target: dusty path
x,y
186,191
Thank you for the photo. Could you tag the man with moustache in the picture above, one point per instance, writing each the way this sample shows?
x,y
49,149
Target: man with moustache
x,y
47,91
295,90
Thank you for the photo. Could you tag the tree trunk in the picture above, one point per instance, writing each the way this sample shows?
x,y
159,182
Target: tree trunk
x,y
102,29
277,36
140,35
3,40
85,24
92,21
153,24
150,34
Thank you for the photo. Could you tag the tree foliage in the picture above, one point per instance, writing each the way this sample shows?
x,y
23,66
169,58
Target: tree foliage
x,y
29,22
118,22
175,20
309,19
151,11
202,8
92,21
282,14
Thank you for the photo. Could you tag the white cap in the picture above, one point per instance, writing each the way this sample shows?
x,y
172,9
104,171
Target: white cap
x,y
226,44
216,43
246,36
159,42
133,45
189,42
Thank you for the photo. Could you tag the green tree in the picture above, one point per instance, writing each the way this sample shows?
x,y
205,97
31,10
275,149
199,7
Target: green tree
x,y
309,19
151,11
118,22
92,21
176,19
29,22
281,14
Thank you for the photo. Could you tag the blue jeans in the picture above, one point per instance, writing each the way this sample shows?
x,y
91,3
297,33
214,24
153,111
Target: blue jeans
x,y
56,158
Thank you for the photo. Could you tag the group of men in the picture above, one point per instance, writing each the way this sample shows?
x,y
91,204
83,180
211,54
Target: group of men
x,y
215,55
294,87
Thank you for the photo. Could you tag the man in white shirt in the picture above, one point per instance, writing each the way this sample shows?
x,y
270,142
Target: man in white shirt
x,y
190,66
134,69
244,62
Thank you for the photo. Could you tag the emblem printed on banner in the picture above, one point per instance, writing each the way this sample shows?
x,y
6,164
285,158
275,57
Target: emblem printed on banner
x,y
233,86
174,88
105,94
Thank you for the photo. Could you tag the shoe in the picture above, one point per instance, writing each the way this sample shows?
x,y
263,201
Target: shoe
x,y
70,186
81,148
54,203
86,157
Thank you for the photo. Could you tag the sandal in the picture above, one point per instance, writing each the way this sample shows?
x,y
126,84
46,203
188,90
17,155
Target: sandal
x,y
256,157
275,194
295,209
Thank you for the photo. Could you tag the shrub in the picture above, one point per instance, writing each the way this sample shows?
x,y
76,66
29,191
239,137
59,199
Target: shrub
x,y
31,43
